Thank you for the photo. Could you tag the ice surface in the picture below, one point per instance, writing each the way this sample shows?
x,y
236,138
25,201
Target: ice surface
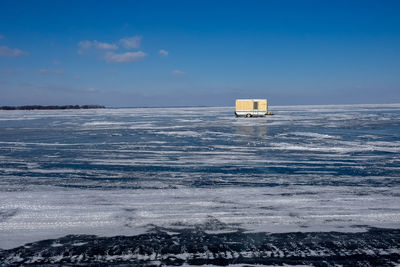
x,y
125,171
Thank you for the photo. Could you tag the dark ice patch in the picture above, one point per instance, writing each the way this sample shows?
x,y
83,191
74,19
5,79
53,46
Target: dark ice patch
x,y
375,247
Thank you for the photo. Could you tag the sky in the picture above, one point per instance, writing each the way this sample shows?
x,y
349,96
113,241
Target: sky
x,y
199,53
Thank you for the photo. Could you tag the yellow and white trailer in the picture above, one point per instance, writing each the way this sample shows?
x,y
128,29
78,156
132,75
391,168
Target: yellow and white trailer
x,y
251,108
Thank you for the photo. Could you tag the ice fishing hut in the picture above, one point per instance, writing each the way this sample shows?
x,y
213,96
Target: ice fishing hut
x,y
251,108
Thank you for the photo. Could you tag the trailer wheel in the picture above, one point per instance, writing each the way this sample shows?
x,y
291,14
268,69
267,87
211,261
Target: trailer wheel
x,y
248,115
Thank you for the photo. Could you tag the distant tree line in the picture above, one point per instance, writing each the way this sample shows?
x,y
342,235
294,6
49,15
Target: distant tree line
x,y
32,107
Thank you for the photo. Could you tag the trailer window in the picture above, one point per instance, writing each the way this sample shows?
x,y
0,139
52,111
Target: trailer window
x,y
255,105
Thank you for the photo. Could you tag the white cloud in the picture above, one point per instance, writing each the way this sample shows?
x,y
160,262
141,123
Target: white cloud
x,y
47,71
105,46
178,72
56,62
163,52
112,57
131,42
9,52
85,45
91,90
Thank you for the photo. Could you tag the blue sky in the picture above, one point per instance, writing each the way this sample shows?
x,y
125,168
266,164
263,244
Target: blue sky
x,y
207,53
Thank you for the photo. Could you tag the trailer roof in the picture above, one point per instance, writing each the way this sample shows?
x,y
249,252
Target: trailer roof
x,y
251,99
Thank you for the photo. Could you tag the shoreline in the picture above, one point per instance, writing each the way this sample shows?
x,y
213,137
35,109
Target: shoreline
x,y
52,107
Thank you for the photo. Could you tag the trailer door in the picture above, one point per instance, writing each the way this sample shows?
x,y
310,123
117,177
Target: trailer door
x,y
255,105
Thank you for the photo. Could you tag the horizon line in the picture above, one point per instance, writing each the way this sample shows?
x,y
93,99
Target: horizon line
x,y
205,106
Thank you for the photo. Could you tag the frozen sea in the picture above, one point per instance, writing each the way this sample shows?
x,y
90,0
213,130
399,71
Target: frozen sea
x,y
127,172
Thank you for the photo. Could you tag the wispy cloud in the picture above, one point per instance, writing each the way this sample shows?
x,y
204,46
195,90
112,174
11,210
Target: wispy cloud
x,y
56,62
1,37
112,57
11,71
91,90
131,42
85,45
9,52
105,46
49,72
163,52
178,72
